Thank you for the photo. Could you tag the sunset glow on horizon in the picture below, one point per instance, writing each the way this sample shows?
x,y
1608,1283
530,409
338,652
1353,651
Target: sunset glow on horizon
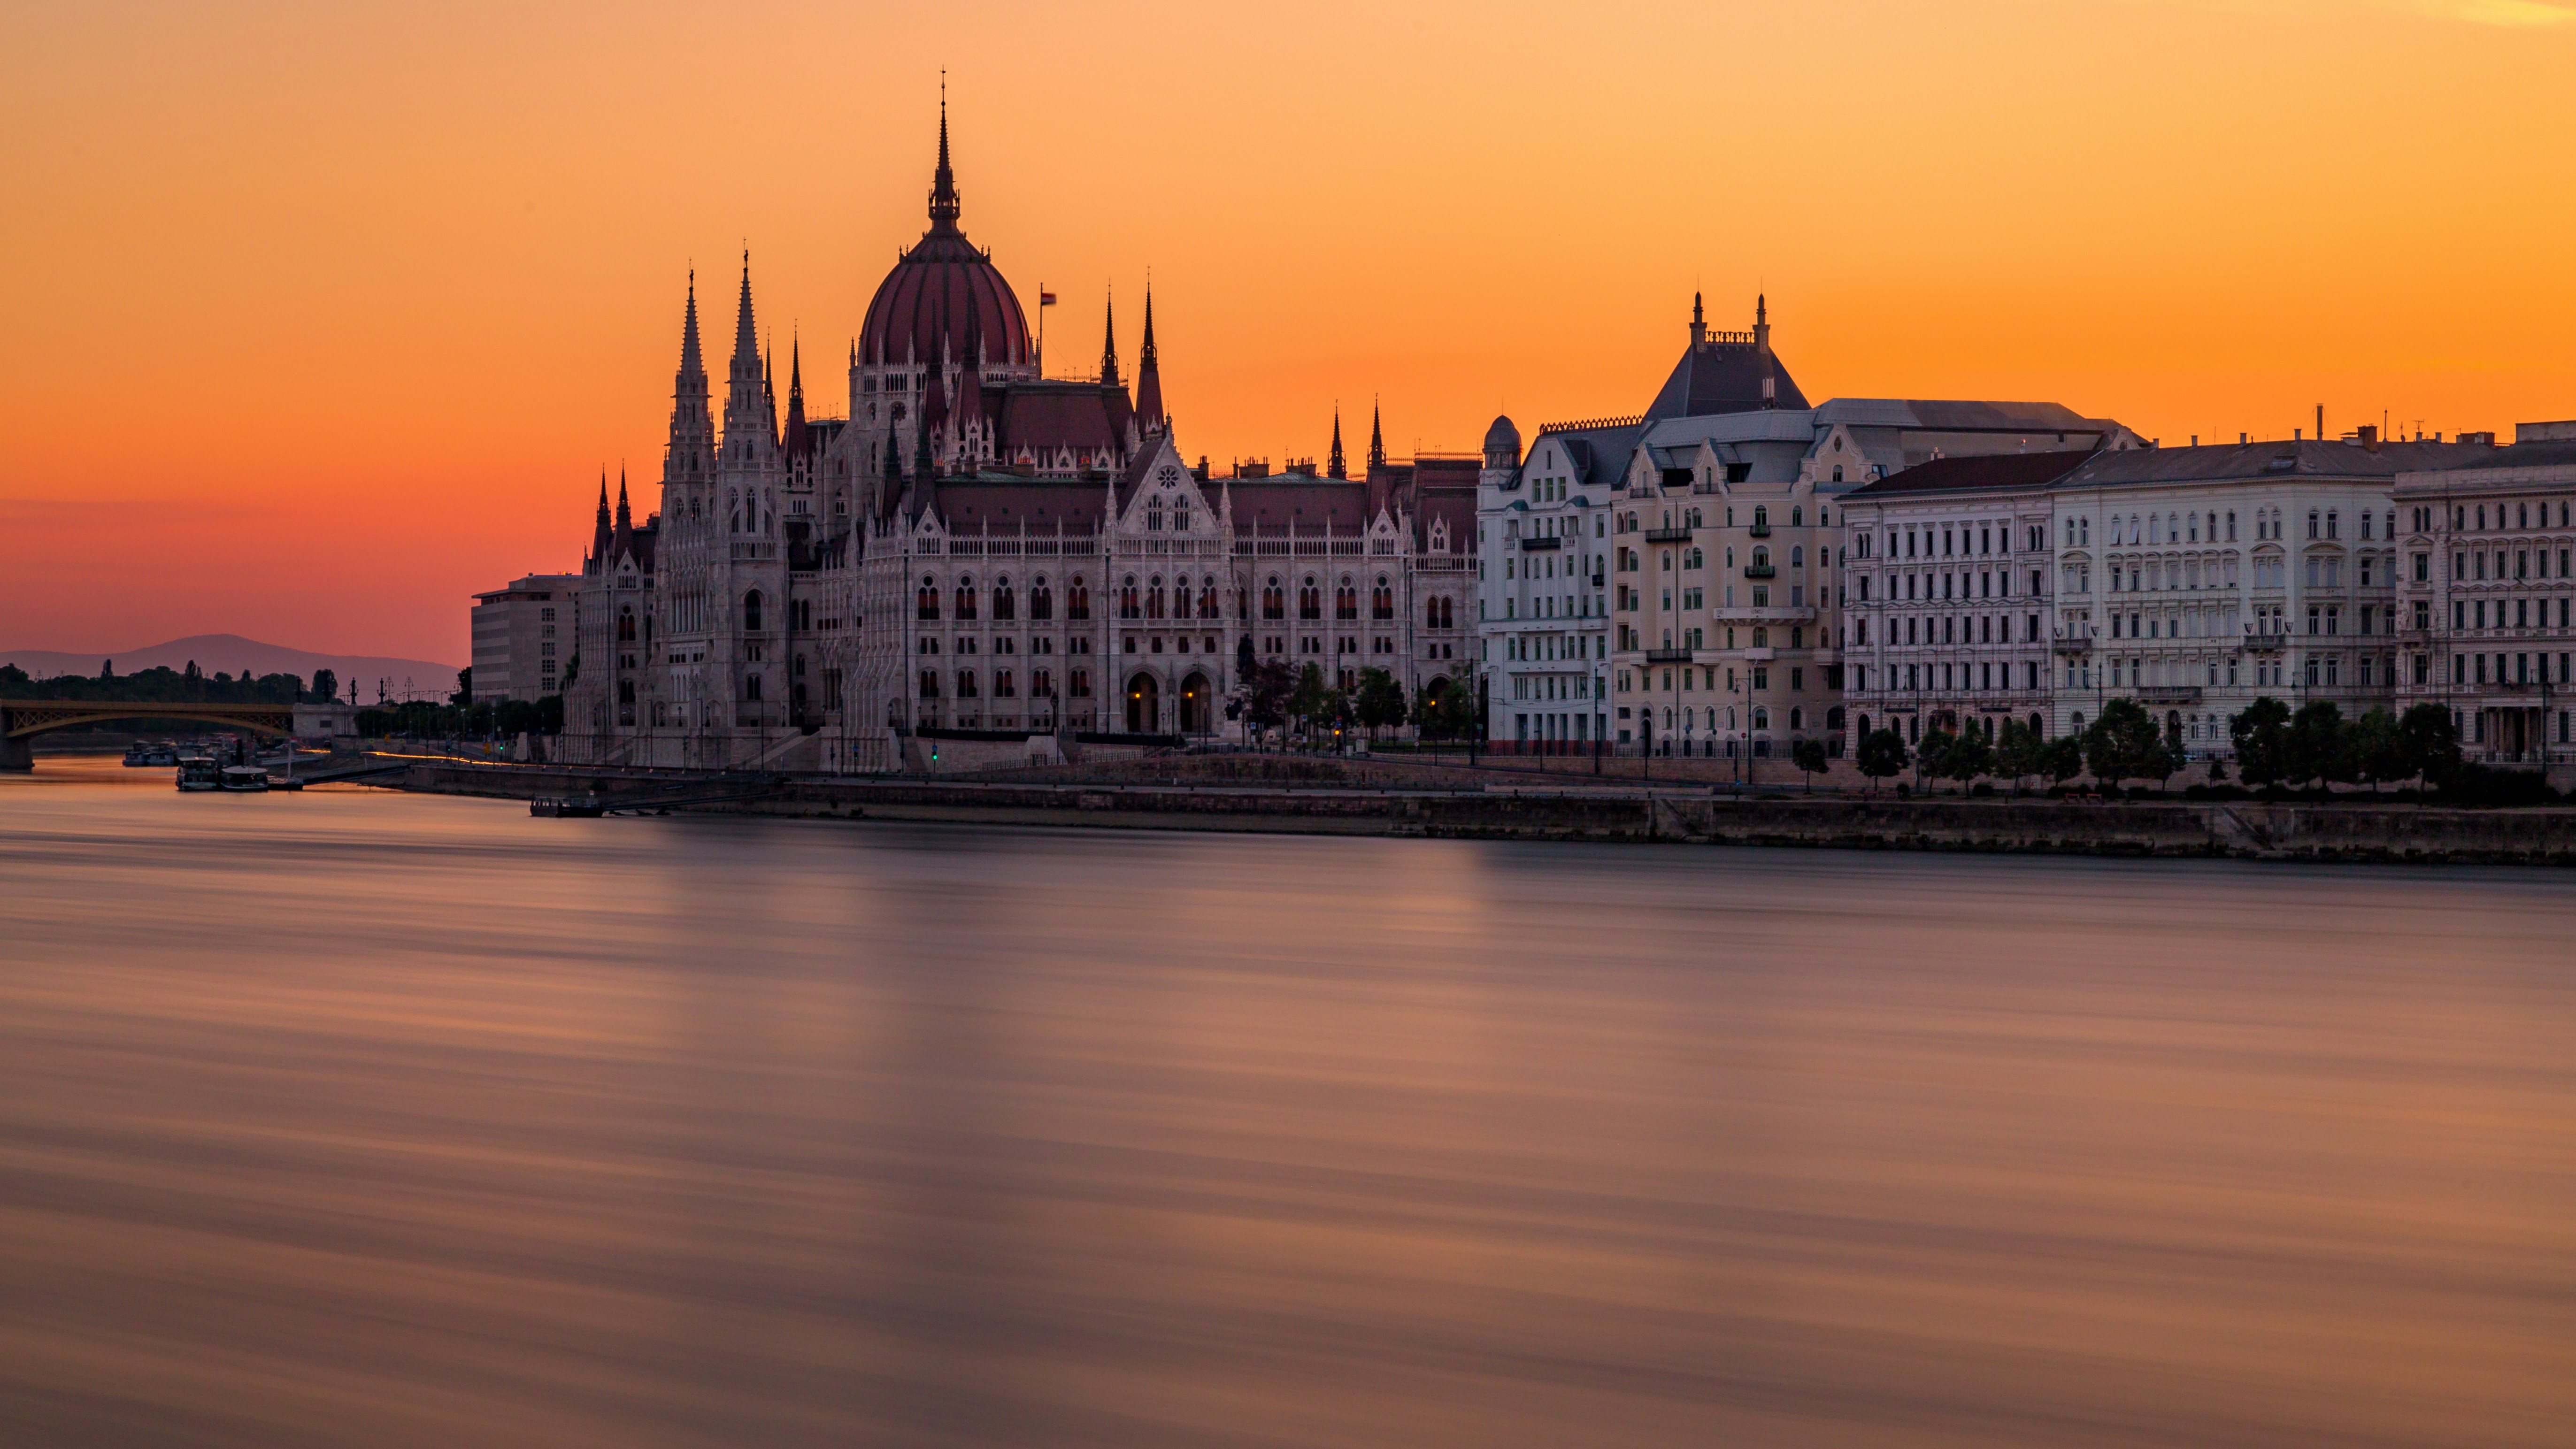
x,y
324,319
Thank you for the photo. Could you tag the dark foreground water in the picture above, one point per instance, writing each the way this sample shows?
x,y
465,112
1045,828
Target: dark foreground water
x,y
357,1118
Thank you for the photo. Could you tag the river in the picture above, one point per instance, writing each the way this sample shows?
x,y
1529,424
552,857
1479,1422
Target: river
x,y
357,1117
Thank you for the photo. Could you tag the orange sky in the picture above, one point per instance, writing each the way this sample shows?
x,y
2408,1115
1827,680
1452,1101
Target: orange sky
x,y
321,317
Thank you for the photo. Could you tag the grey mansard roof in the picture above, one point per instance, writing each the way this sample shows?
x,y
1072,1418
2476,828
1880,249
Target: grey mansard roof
x,y
2229,462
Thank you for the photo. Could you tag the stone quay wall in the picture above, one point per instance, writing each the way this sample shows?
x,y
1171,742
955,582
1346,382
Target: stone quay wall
x,y
2304,831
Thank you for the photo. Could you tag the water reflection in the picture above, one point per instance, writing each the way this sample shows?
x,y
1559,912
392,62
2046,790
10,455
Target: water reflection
x,y
354,1117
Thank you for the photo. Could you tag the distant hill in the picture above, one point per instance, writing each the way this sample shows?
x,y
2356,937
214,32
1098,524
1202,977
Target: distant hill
x,y
232,654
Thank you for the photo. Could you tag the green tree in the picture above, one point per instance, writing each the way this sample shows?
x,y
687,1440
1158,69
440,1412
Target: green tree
x,y
2261,733
1932,755
1809,756
2174,756
2378,748
2318,745
464,694
2429,741
1967,757
2125,744
1881,754
326,684
1378,702
2017,748
1307,702
2061,759
1263,692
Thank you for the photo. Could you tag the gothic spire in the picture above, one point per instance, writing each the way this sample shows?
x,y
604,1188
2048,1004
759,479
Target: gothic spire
x,y
625,516
943,182
1335,467
1149,372
747,391
1109,341
690,452
598,559
795,396
1377,437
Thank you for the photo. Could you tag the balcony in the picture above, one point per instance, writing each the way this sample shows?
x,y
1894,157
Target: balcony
x,y
1761,571
1668,656
2169,694
2259,637
1761,529
1668,535
2073,643
1536,545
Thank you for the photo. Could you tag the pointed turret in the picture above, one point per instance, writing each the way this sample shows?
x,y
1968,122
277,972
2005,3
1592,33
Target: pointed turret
x,y
690,454
599,534
1699,322
1377,437
1109,341
796,439
747,413
621,540
1335,467
1149,373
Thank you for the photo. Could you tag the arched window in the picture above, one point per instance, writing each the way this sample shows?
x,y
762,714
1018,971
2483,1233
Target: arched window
x,y
926,603
1077,600
751,612
1761,516
1310,600
965,684
1041,600
750,688
1761,558
930,684
1797,556
626,624
966,597
1346,600
1154,599
1431,613
1795,516
1693,559
1274,600
1003,687
1130,606
1382,600
1207,597
1838,472
1004,606
1797,718
1762,716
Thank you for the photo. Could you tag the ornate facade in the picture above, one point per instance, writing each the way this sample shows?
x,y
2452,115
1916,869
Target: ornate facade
x,y
976,548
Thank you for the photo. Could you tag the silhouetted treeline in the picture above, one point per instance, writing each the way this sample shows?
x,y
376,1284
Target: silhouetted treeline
x,y
164,685
422,719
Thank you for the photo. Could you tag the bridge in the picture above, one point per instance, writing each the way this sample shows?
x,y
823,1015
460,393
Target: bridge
x,y
21,720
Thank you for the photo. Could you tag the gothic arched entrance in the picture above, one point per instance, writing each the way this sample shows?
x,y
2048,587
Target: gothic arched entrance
x,y
1194,705
1144,705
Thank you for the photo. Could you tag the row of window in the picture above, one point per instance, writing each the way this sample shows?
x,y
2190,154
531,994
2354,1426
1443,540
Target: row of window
x,y
1978,676
2467,566
2472,613
2525,514
1984,584
1077,684
1970,629
1953,540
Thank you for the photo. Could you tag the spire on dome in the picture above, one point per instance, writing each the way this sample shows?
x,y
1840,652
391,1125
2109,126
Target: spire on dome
x,y
1109,340
1334,467
943,182
692,361
1149,372
1377,437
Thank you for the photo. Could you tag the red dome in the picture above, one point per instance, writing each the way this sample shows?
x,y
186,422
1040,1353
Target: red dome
x,y
944,298
944,291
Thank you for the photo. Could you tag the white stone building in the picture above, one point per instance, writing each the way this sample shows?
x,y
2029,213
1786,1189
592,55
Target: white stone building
x,y
2486,600
2196,580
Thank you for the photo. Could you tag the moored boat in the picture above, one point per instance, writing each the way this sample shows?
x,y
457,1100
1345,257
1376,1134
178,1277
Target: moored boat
x,y
244,779
199,773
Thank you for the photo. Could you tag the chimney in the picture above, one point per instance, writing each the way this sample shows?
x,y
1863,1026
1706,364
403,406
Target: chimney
x,y
2321,422
2370,437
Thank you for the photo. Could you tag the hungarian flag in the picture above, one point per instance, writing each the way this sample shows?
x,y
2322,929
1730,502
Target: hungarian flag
x,y
1046,299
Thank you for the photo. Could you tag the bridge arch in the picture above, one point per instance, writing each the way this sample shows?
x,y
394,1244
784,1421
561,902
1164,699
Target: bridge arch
x,y
21,720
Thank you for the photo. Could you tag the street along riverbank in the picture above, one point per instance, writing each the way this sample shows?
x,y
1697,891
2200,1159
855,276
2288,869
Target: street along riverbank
x,y
2248,830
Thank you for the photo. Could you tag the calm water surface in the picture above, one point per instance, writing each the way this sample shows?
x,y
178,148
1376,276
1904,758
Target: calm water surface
x,y
355,1117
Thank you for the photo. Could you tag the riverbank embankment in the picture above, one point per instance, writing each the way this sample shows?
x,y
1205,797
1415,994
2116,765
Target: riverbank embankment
x,y
2338,831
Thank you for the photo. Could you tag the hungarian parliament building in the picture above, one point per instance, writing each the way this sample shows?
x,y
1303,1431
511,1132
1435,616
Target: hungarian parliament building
x,y
979,549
